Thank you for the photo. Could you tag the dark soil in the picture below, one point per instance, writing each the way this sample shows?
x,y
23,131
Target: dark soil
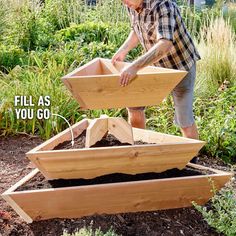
x,y
107,141
14,166
39,182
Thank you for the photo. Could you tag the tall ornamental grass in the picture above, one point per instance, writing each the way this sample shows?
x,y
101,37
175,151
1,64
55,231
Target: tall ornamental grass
x,y
217,47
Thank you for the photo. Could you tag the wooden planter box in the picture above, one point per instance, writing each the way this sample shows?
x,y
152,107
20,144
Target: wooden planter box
x,y
167,152
95,85
147,195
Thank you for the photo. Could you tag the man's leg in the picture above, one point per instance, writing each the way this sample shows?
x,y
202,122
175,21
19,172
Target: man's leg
x,y
183,101
136,117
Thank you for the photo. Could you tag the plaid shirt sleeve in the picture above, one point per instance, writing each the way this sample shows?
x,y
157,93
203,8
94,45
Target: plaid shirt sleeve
x,y
166,21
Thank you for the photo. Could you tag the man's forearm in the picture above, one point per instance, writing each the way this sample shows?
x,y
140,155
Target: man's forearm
x,y
157,52
131,42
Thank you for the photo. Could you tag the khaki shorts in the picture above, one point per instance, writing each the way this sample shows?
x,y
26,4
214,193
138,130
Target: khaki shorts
x,y
183,100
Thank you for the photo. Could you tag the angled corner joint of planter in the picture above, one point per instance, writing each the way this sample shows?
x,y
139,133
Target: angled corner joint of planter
x,y
116,126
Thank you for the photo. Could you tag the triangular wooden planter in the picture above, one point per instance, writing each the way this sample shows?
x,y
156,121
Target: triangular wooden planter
x,y
166,152
95,85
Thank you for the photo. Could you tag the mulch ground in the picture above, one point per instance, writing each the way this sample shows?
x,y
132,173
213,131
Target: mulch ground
x,y
14,165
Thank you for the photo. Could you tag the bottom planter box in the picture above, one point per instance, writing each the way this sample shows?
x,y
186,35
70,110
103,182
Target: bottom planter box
x,y
133,196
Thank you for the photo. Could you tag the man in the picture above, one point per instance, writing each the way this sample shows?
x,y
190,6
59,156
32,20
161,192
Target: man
x,y
158,26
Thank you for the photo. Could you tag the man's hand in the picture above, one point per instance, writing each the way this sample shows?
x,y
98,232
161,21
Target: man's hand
x,y
127,74
118,56
130,43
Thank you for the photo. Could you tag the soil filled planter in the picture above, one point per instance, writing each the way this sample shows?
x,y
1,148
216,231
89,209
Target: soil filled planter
x,y
163,152
119,197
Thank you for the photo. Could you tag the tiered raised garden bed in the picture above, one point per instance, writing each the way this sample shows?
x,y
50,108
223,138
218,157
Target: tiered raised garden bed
x,y
157,153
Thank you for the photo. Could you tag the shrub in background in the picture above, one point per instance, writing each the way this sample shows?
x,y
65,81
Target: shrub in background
x,y
11,56
88,32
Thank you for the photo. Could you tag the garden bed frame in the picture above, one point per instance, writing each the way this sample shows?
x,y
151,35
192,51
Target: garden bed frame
x,y
112,198
167,152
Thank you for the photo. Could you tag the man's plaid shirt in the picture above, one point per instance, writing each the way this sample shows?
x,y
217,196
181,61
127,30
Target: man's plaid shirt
x,y
161,19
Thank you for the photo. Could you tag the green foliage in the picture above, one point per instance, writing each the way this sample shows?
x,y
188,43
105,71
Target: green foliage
x,y
10,56
28,28
222,212
89,232
66,55
35,82
23,29
94,50
3,18
94,32
160,118
216,118
110,11
63,13
84,33
231,15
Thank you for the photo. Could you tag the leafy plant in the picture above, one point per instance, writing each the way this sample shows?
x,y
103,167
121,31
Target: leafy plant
x,y
85,33
88,32
89,232
221,214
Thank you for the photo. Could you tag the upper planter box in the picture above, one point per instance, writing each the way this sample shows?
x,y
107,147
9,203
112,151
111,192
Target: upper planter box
x,y
96,85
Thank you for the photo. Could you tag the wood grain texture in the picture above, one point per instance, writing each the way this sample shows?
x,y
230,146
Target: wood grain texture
x,y
95,131
118,127
148,195
12,203
151,136
107,64
93,162
95,91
